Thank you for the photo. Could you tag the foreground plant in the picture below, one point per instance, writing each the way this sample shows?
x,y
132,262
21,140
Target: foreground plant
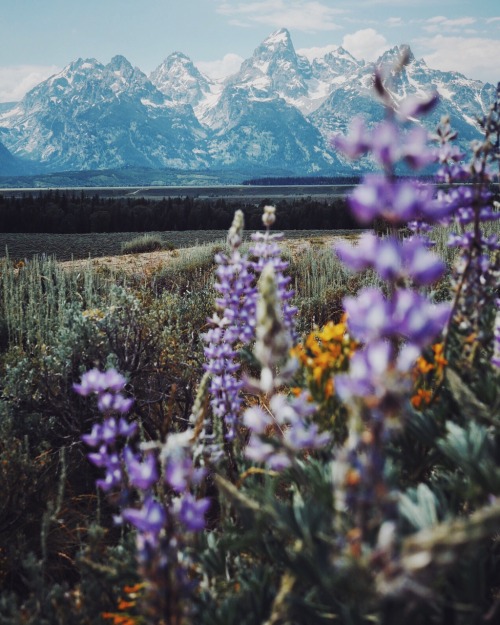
x,y
154,487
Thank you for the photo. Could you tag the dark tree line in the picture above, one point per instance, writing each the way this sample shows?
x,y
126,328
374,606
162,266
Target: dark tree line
x,y
66,213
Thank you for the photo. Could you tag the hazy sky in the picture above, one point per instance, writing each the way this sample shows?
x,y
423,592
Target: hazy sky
x,y
40,37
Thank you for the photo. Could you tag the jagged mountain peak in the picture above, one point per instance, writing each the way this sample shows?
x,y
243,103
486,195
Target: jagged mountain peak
x,y
82,64
177,56
274,69
394,54
277,45
278,38
180,80
120,63
342,53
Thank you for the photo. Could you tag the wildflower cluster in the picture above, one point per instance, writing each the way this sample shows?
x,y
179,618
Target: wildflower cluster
x,y
234,323
396,325
289,419
152,484
428,374
475,277
324,353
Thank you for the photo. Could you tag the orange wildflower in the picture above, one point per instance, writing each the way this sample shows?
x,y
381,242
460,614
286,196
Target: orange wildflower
x,y
423,366
353,477
329,388
119,619
134,588
439,358
421,398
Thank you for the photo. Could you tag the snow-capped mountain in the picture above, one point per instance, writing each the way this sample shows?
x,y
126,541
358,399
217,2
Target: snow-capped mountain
x,y
93,116
274,69
464,100
179,79
278,111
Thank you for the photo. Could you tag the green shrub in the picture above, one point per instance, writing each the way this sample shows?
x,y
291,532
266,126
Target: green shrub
x,y
143,244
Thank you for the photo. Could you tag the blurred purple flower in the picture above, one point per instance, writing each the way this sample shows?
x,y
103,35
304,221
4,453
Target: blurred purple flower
x,y
178,473
192,512
415,318
151,518
95,381
396,202
368,314
142,474
357,142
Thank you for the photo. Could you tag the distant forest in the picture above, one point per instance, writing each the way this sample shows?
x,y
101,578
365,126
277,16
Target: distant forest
x,y
70,212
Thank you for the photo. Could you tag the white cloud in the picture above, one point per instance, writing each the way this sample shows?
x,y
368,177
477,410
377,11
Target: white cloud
x,y
229,64
316,52
300,15
365,44
17,80
395,21
478,57
440,24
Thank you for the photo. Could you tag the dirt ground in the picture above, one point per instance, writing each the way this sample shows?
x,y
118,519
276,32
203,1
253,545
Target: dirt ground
x,y
139,263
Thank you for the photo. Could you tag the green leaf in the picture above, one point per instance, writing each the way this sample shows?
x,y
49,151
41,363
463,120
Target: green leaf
x,y
420,507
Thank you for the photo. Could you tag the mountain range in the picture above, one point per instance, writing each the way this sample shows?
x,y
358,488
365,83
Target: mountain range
x,y
276,114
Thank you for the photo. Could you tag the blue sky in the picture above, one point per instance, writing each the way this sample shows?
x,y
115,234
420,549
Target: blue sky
x,y
40,37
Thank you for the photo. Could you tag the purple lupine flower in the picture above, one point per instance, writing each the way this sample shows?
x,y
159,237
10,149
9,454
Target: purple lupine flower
x,y
141,474
94,438
178,473
95,381
256,419
416,151
192,512
262,452
386,143
302,435
113,477
177,457
368,314
236,303
357,142
393,259
361,256
396,202
109,432
267,252
423,267
367,370
111,402
292,418
417,319
150,518
103,457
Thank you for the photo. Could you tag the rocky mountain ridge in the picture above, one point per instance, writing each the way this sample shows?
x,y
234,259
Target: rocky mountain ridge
x,y
278,111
